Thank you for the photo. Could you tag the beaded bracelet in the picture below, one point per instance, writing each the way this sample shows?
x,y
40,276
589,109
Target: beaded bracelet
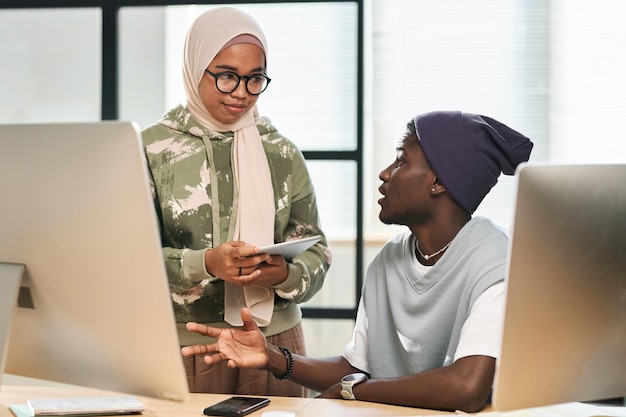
x,y
289,359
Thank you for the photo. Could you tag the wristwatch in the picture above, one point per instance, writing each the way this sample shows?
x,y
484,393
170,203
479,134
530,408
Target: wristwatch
x,y
349,381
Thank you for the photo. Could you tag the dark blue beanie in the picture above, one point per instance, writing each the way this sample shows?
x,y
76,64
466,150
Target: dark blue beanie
x,y
468,152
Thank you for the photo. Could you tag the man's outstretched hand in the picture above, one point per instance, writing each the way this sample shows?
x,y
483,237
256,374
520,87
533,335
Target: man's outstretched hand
x,y
242,347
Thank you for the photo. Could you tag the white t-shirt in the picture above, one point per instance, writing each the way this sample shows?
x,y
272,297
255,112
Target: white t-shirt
x,y
481,333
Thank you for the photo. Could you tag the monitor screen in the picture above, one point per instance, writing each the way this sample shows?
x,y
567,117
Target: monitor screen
x,y
564,336
93,306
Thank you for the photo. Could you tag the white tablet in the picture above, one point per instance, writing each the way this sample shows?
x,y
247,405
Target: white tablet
x,y
291,248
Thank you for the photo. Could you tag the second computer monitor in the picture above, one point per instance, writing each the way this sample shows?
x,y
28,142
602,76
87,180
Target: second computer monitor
x,y
565,322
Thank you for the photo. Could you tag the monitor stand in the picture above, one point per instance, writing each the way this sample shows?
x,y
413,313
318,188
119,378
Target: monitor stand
x,y
10,280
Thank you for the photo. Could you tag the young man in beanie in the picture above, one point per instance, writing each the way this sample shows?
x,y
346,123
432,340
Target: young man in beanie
x,y
428,325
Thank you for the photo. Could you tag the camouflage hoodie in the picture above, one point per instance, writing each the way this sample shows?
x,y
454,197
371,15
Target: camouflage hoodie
x,y
181,170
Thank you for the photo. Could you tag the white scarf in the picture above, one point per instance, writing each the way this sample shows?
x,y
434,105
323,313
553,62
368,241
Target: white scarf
x,y
206,37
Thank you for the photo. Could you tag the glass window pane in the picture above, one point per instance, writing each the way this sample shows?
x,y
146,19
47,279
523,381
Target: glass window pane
x,y
142,64
51,65
312,62
588,88
339,290
335,188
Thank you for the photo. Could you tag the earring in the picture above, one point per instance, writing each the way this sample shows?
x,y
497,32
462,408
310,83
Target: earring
x,y
433,190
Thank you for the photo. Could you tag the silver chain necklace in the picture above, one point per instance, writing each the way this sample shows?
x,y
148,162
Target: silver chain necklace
x,y
427,257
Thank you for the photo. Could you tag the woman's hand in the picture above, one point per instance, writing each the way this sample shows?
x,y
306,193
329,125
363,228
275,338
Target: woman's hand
x,y
240,263
232,260
272,271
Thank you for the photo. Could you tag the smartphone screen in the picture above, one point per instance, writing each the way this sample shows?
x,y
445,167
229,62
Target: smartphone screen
x,y
236,406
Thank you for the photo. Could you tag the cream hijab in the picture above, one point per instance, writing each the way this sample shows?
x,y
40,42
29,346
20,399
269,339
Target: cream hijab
x,y
254,196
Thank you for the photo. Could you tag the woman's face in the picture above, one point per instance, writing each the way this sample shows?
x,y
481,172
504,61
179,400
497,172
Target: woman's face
x,y
242,59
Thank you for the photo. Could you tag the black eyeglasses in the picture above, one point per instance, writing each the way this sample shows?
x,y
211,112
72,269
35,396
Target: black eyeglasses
x,y
228,81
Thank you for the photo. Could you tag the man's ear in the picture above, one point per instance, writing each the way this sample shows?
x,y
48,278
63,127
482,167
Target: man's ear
x,y
437,187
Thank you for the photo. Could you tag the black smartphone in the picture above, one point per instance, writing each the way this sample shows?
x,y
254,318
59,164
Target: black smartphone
x,y
236,406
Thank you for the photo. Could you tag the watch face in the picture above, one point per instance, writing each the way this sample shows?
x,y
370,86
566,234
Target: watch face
x,y
354,377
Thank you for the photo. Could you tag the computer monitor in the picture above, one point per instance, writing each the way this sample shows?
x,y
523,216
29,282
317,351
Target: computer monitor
x,y
94,307
564,334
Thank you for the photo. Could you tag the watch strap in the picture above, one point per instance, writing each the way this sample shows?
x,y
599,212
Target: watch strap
x,y
346,393
347,385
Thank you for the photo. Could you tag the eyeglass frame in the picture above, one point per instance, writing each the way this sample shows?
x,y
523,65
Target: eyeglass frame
x,y
216,75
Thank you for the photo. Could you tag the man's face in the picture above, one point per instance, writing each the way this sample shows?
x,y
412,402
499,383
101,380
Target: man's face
x,y
406,185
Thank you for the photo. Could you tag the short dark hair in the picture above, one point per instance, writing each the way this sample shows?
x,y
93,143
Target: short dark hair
x,y
411,130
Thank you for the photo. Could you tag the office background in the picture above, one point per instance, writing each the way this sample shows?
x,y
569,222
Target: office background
x,y
346,78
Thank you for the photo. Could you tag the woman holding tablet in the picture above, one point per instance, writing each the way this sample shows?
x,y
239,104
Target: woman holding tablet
x,y
227,183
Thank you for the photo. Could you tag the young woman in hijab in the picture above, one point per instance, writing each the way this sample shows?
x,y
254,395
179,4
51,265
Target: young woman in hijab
x,y
226,182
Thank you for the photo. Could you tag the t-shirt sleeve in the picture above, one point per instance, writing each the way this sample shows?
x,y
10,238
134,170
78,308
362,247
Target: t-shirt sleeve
x,y
482,331
356,350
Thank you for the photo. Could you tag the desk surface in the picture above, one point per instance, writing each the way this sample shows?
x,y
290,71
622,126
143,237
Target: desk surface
x,y
303,407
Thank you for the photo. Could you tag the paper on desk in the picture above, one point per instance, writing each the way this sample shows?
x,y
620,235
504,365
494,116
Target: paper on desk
x,y
573,409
